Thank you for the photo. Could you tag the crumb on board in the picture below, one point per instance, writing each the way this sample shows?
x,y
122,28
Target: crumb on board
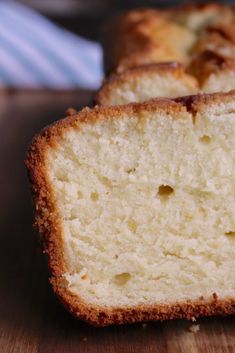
x,y
194,328
144,325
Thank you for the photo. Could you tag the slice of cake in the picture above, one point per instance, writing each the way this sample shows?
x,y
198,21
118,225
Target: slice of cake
x,y
146,82
136,207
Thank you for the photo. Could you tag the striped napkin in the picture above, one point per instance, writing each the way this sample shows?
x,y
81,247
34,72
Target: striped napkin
x,y
35,53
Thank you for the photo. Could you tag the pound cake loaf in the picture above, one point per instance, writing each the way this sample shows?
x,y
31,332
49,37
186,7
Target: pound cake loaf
x,y
135,205
147,45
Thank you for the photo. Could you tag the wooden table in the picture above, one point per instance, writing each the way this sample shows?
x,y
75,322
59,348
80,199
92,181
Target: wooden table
x,y
31,318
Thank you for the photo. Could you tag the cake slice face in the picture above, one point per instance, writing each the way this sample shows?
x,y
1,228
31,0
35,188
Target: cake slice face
x,y
136,205
146,82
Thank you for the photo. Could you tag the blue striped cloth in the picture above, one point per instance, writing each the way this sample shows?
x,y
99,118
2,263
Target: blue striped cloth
x,y
35,53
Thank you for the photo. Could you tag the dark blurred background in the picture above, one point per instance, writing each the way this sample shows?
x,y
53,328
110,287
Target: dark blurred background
x,y
83,16
86,16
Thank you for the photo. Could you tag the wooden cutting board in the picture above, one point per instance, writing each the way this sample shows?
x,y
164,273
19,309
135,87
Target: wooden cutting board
x,y
31,319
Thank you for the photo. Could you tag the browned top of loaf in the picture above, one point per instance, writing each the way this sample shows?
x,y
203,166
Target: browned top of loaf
x,y
49,223
184,34
143,37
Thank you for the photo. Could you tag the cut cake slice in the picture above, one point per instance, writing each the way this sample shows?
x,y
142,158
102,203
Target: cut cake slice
x,y
136,208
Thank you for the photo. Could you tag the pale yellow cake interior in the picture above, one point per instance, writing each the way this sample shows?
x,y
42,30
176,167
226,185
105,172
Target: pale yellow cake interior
x,y
147,205
142,87
221,81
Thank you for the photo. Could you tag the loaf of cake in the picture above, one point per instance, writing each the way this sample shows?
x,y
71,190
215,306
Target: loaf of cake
x,y
135,205
143,48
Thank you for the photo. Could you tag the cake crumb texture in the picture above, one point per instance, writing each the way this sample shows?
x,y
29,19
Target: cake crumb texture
x,y
135,205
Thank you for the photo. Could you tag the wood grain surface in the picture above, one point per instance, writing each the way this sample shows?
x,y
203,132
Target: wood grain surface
x,y
31,318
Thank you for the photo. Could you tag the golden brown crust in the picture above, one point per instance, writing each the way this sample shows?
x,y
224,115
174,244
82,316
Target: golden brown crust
x,y
117,31
48,222
115,81
99,316
199,102
46,217
144,36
